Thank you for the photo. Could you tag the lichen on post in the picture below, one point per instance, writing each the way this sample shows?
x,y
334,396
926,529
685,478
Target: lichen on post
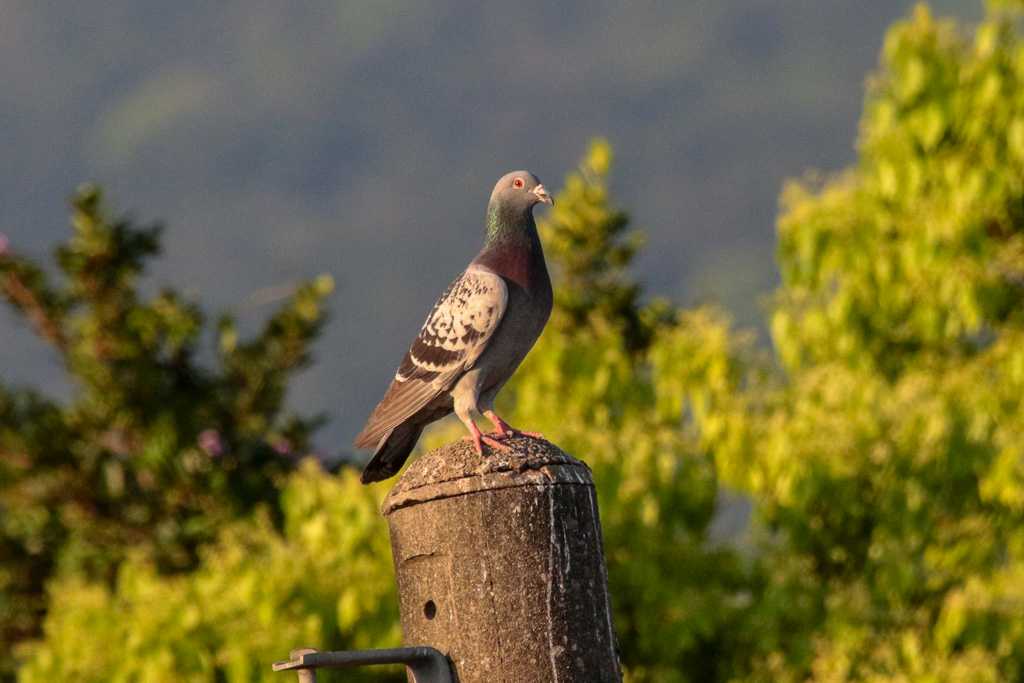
x,y
500,565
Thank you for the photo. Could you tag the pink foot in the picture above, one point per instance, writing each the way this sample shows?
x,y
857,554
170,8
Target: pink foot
x,y
503,430
478,439
511,433
477,446
494,443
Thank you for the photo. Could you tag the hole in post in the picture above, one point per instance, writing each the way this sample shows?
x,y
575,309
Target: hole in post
x,y
429,609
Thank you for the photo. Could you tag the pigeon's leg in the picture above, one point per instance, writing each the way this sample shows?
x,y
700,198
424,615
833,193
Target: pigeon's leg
x,y
503,430
465,406
478,438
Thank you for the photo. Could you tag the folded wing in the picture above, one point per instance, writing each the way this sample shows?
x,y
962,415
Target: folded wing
x,y
451,340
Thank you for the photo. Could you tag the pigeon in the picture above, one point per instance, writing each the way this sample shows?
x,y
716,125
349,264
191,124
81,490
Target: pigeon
x,y
474,338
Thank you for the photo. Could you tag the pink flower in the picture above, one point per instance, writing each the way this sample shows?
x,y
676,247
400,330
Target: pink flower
x,y
209,441
281,447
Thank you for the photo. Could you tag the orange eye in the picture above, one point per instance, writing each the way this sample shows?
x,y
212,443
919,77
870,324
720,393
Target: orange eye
x,y
518,182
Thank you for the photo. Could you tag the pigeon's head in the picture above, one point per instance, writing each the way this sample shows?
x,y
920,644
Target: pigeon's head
x,y
520,189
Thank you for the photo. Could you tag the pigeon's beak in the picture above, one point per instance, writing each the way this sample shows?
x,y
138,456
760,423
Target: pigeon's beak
x,y
543,196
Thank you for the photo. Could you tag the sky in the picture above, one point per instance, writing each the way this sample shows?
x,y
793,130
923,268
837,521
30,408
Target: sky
x,y
278,141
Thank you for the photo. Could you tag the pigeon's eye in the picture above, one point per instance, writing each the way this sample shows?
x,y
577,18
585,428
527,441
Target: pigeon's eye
x,y
518,182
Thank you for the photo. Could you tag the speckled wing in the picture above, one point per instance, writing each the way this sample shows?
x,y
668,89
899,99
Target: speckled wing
x,y
454,335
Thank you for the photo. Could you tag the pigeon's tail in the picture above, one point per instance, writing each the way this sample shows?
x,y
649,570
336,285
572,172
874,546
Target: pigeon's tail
x,y
391,453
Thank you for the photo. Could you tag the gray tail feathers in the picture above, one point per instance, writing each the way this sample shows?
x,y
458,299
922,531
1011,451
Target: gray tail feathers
x,y
391,453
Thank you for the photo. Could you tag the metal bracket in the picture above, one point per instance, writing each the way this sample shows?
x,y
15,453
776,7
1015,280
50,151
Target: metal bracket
x,y
427,664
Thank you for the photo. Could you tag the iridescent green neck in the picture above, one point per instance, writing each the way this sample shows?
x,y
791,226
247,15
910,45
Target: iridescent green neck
x,y
509,224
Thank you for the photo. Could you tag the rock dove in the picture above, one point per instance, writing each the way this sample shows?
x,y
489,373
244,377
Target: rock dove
x,y
475,337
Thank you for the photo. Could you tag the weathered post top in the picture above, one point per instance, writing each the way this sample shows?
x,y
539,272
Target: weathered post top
x,y
456,469
500,565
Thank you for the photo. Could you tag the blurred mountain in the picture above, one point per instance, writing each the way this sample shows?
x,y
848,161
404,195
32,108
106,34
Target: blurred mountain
x,y
362,139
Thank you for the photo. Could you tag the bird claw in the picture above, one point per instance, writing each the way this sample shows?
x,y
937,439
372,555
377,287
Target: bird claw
x,y
511,433
480,439
494,443
476,443
503,430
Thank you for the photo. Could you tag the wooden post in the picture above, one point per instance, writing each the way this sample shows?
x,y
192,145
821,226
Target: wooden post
x,y
500,564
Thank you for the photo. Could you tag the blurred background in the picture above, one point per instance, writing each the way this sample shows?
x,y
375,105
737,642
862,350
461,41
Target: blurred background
x,y
788,333
362,140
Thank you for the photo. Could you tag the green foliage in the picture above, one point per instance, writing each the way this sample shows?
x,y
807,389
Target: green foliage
x,y
154,452
589,251
257,592
1008,5
887,465
625,377
917,252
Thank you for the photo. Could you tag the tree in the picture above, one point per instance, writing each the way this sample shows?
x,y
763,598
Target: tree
x,y
154,452
887,465
322,578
